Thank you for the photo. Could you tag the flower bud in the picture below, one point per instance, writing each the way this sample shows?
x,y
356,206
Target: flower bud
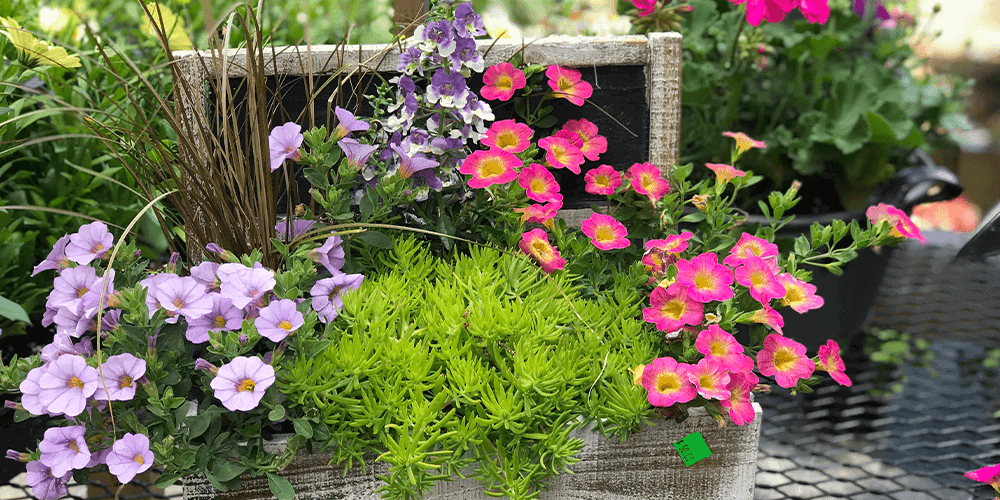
x,y
700,201
13,405
171,266
18,456
300,210
202,364
243,339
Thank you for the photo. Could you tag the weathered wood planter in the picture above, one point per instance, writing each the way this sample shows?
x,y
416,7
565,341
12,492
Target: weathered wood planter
x,y
646,466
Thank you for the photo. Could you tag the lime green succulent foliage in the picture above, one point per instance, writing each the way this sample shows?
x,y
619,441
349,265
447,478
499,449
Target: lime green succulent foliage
x,y
476,365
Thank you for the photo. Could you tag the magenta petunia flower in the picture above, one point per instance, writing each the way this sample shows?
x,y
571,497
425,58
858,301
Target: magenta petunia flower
x,y
327,292
989,475
671,308
716,343
278,320
815,11
508,135
591,144
92,241
541,214
299,226
724,173
347,123
740,387
64,449
710,378
645,7
206,273
747,246
648,180
535,243
605,232
129,457
568,84
667,382
56,259
284,143
602,180
902,226
331,254
785,359
768,316
244,285
66,385
561,154
757,276
772,10
743,142
675,243
44,485
357,154
799,295
120,373
495,166
705,279
182,296
500,81
539,183
241,383
831,362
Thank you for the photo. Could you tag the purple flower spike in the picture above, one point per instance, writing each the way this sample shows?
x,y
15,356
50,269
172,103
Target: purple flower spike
x,y
243,285
284,143
182,296
451,90
278,320
44,485
129,457
467,21
299,226
224,316
120,373
56,259
92,241
327,294
66,385
330,255
240,384
348,123
357,154
64,449
441,33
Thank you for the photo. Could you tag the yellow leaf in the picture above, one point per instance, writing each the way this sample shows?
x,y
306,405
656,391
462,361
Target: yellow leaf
x,y
35,50
178,38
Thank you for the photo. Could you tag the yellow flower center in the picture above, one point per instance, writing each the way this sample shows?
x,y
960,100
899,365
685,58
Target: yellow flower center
x,y
793,295
506,140
758,279
703,281
504,83
492,167
74,383
97,247
667,383
542,251
707,382
647,181
285,325
602,181
717,349
604,234
124,382
246,385
784,359
73,446
178,303
219,321
565,84
562,156
138,459
674,309
80,292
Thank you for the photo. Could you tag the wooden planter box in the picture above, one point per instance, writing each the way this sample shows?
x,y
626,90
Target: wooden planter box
x,y
646,466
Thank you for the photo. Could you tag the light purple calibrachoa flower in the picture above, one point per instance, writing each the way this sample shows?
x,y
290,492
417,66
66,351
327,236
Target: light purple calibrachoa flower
x,y
240,384
330,254
224,316
92,241
357,154
61,344
327,294
56,259
120,373
205,273
278,320
348,123
409,166
129,457
66,385
30,391
244,285
284,143
152,284
182,296
44,485
64,449
69,288
299,226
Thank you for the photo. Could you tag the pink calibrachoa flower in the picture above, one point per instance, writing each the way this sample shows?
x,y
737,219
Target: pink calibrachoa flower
x,y
645,7
64,449
667,382
815,11
648,180
224,316
284,143
536,244
831,362
772,10
56,259
675,243
120,373
278,320
710,378
327,292
671,308
605,232
740,408
785,359
724,173
508,135
988,475
568,84
244,285
44,485
541,214
747,246
705,279
902,226
799,295
602,180
241,383
561,154
743,142
129,457
768,316
500,81
716,343
539,183
92,241
757,276
495,166
586,138
66,384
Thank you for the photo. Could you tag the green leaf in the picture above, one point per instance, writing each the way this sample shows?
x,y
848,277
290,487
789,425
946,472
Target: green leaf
x,y
13,311
166,480
547,122
276,413
225,470
198,424
280,487
376,239
695,217
303,428
316,178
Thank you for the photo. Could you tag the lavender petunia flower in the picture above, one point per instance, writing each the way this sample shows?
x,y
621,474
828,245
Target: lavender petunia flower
x,y
330,254
91,242
120,373
66,385
450,90
129,457
152,284
64,449
327,294
243,285
182,296
241,383
409,166
224,316
278,320
30,392
56,259
299,226
61,344
44,485
206,274
284,143
357,154
348,123
467,21
861,9
69,288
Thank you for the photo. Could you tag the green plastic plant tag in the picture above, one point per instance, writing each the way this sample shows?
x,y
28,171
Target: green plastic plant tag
x,y
692,449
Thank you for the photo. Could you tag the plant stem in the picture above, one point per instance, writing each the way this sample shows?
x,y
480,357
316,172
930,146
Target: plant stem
x,y
736,39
